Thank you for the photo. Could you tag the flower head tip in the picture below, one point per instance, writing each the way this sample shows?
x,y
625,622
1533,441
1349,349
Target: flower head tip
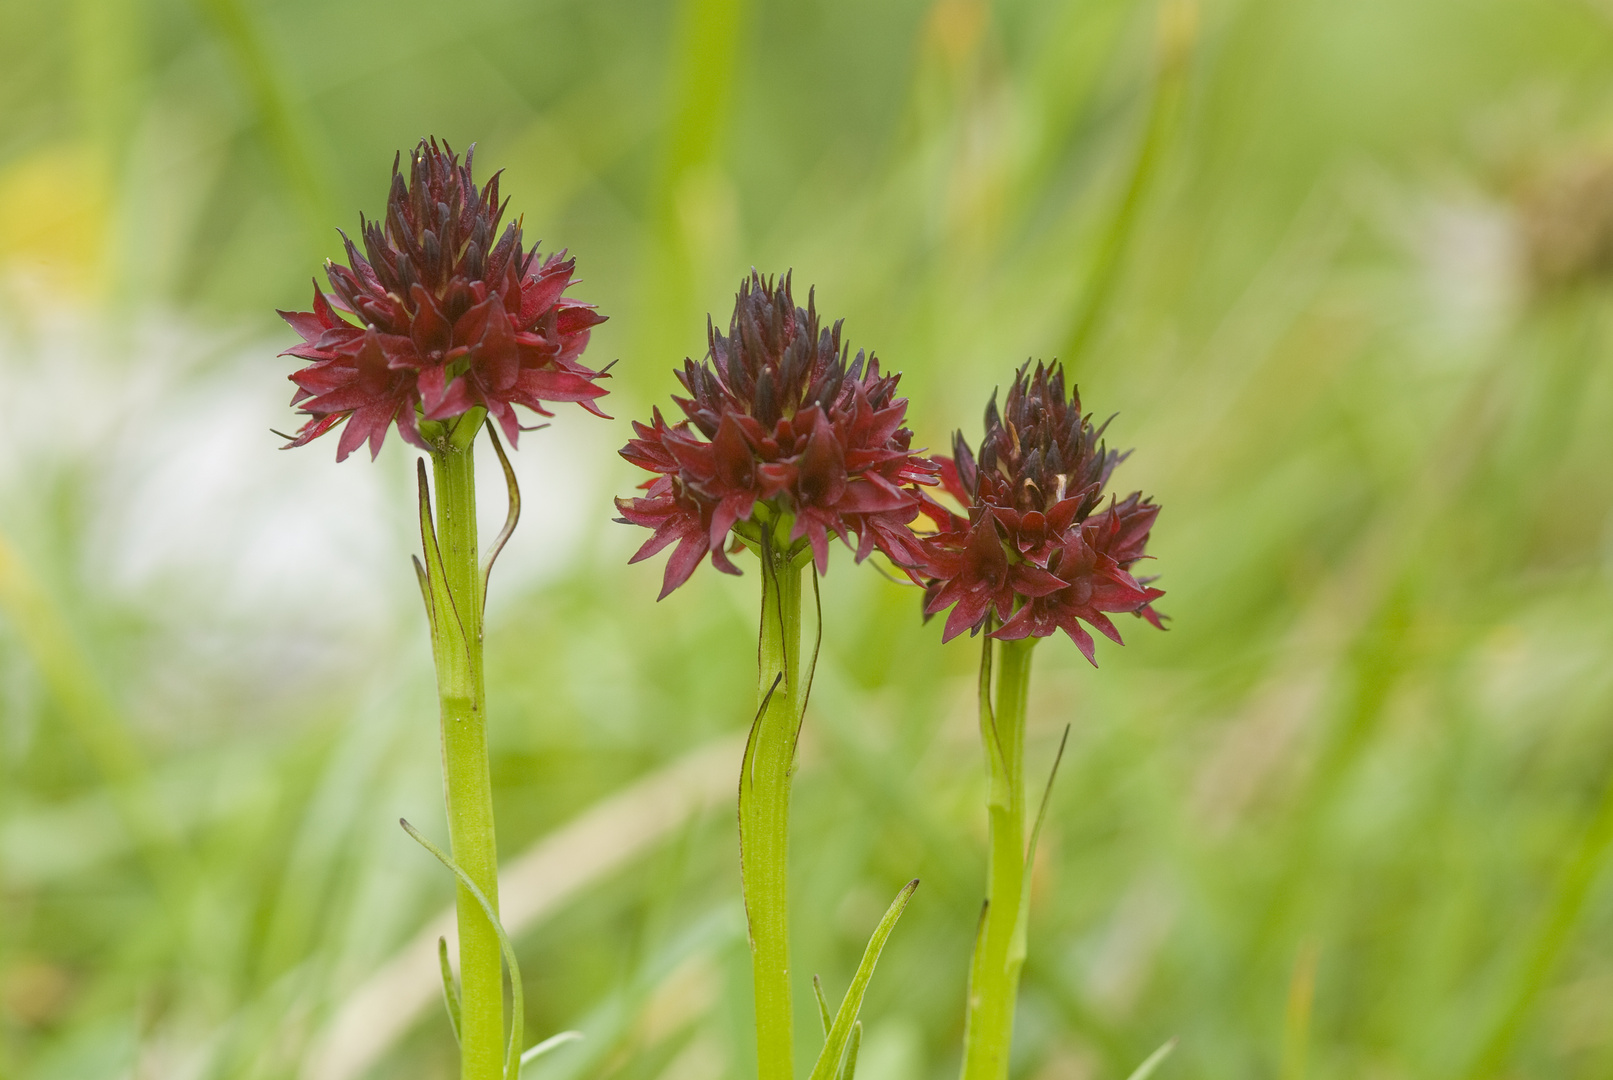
x,y
440,314
1037,548
782,429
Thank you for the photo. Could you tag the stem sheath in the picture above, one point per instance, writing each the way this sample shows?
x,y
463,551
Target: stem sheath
x,y
999,952
467,780
764,808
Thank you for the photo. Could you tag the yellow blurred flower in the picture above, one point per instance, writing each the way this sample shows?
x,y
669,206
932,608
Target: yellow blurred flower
x,y
54,210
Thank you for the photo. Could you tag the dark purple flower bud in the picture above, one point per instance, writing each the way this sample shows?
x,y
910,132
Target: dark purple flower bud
x,y
1037,549
778,416
444,323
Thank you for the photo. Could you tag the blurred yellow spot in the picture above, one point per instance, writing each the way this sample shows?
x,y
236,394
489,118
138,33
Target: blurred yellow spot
x,y
1178,32
1297,1022
955,28
34,992
53,217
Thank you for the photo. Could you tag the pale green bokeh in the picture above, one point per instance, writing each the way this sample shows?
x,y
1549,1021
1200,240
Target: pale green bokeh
x,y
1343,271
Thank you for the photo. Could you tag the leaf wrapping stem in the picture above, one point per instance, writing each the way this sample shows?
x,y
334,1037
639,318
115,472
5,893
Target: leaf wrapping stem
x,y
512,1056
999,951
511,519
452,582
764,803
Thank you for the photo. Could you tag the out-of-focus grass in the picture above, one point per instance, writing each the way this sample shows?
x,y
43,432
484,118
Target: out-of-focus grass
x,y
1350,817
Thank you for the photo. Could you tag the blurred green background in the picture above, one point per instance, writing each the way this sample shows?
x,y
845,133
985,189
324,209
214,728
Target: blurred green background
x,y
1343,271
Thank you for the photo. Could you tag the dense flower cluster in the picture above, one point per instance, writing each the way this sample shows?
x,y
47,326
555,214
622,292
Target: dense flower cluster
x,y
779,424
448,319
1036,548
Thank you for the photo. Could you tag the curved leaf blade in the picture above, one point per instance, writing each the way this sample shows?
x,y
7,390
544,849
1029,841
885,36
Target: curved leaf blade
x,y
512,1056
553,1042
1152,1062
828,1066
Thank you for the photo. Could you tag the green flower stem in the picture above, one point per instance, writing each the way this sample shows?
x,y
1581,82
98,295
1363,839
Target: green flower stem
x,y
764,807
467,779
1000,943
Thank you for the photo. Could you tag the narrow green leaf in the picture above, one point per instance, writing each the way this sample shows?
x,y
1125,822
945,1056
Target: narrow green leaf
x,y
1160,126
467,427
747,772
1146,1069
450,991
977,958
551,1043
436,574
812,669
1017,945
284,136
834,1046
425,593
823,1005
1000,796
511,518
512,1057
849,1070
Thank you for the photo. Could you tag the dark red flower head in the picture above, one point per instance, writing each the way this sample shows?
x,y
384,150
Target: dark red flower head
x,y
1037,548
781,428
451,315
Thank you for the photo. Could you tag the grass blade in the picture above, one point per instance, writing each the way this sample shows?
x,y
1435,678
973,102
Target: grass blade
x,y
1152,1061
1017,946
436,576
849,1070
511,519
450,990
425,592
823,1005
553,1042
512,1056
828,1065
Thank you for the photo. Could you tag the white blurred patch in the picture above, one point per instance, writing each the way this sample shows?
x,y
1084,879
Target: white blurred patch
x,y
1470,253
1464,248
1115,965
192,504
893,1049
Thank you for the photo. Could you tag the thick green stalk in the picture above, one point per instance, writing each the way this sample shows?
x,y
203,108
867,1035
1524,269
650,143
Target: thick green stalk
x,y
467,780
764,809
1000,944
